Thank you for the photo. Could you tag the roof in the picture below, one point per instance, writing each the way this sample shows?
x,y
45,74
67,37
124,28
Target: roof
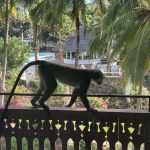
x,y
70,44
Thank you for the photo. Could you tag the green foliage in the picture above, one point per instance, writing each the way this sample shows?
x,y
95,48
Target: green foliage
x,y
11,76
82,145
24,144
33,84
125,30
17,27
60,88
143,101
58,15
134,90
13,143
17,53
138,54
98,102
21,88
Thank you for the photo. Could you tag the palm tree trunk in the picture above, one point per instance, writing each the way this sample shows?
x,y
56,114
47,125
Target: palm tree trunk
x,y
60,46
5,50
77,40
139,100
35,45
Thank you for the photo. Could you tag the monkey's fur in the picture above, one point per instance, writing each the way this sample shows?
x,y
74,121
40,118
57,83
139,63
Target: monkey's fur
x,y
49,73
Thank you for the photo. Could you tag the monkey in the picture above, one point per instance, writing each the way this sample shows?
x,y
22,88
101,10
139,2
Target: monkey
x,y
49,74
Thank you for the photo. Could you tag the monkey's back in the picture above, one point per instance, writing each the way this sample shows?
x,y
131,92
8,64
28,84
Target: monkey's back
x,y
67,75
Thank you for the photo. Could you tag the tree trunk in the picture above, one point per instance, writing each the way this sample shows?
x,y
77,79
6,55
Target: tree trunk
x,y
35,41
139,100
77,40
5,50
108,69
35,45
60,55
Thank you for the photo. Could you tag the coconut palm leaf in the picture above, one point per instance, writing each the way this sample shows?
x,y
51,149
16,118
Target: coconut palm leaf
x,y
110,24
137,59
126,24
38,12
145,3
126,34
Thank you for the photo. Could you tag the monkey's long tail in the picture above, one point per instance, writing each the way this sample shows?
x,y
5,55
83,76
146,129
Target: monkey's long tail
x,y
37,62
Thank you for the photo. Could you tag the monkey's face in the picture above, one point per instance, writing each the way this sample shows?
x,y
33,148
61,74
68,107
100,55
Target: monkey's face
x,y
98,76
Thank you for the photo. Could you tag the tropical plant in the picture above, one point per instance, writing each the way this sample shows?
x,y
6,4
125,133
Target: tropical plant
x,y
54,10
124,31
15,46
7,6
35,28
17,27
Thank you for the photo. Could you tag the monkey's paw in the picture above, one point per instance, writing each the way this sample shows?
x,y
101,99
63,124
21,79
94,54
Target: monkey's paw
x,y
36,106
68,105
93,110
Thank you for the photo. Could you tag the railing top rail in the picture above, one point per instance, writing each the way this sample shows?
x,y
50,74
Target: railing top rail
x,y
89,95
76,109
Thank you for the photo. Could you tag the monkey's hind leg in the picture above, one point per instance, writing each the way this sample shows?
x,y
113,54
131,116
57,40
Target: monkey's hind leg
x,y
36,98
51,85
73,97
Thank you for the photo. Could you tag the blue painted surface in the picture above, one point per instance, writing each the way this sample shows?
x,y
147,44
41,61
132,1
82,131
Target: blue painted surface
x,y
42,56
88,1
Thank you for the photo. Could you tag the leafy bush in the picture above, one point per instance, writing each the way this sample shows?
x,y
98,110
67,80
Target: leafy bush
x,y
20,101
144,101
34,84
17,53
98,102
60,88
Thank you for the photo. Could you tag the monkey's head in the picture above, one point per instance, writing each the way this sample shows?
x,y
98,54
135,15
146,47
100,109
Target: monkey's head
x,y
97,76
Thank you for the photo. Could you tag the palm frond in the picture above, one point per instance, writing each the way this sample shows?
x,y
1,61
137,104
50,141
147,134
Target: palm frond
x,y
38,12
113,20
125,36
99,43
126,26
145,3
137,59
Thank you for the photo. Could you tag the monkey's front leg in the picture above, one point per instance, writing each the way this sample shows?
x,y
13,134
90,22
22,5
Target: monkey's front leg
x,y
86,103
73,97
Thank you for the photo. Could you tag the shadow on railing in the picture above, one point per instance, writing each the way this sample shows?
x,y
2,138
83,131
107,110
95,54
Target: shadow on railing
x,y
75,129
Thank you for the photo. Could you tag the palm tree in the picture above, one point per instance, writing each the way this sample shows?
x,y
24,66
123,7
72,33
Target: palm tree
x,y
53,11
7,5
125,28
7,8
35,26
